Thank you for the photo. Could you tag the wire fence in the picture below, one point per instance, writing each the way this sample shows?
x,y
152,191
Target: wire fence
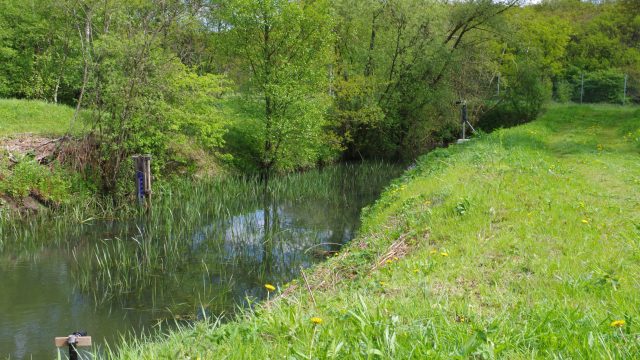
x,y
606,86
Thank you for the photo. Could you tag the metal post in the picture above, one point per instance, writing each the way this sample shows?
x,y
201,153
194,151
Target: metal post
x,y
624,93
464,120
581,88
72,341
464,130
73,352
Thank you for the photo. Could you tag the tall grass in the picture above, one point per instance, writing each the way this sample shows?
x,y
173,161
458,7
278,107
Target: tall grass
x,y
205,245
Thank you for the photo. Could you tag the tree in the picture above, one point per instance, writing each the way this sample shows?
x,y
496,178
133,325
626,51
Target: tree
x,y
143,98
402,64
38,51
285,46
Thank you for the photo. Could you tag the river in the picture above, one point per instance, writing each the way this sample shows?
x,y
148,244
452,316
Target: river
x,y
205,250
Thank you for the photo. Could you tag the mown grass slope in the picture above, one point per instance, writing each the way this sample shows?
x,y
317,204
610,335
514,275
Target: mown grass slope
x,y
524,243
36,117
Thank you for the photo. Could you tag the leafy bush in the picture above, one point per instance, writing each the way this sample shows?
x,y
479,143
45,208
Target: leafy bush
x,y
564,91
601,86
522,101
28,177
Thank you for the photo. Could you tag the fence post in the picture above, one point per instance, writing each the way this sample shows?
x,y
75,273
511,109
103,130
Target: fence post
x,y
624,93
581,87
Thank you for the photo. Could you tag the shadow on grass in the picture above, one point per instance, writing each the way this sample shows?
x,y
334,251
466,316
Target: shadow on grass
x,y
575,130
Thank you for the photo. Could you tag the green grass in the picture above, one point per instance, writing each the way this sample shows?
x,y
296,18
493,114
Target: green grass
x,y
36,117
524,243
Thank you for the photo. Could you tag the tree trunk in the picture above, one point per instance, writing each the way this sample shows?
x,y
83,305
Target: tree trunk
x,y
85,41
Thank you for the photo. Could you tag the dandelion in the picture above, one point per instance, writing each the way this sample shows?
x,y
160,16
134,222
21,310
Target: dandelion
x,y
389,261
444,253
585,221
396,258
415,271
269,287
433,252
316,320
618,323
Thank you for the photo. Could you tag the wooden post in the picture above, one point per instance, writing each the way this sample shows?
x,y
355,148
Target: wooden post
x,y
142,165
74,340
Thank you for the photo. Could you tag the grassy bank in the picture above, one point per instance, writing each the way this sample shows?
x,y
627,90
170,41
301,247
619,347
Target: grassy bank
x,y
520,244
37,117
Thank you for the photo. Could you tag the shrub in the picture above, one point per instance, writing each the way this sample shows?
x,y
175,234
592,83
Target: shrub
x,y
521,102
601,86
28,177
564,91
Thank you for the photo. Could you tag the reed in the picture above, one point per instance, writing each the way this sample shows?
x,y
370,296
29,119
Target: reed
x,y
206,245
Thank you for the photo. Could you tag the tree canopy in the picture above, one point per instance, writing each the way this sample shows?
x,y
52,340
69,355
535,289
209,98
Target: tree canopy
x,y
274,85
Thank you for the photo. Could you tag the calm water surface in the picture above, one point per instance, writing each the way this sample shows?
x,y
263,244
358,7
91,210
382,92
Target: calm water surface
x,y
206,250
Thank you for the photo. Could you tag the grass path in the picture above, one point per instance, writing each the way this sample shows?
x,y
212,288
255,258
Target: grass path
x,y
521,244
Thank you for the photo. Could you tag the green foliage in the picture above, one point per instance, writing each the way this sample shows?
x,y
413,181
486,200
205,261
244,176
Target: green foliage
x,y
144,100
605,40
40,59
544,39
564,91
601,86
390,99
602,47
52,185
521,102
287,47
317,80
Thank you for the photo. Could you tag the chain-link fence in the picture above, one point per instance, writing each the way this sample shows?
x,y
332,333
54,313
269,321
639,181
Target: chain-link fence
x,y
604,86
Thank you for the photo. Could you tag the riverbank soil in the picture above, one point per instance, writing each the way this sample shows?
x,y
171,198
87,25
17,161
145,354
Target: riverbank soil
x,y
522,243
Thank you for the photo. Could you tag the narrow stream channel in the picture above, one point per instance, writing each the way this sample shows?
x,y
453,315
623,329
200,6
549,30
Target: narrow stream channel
x,y
206,249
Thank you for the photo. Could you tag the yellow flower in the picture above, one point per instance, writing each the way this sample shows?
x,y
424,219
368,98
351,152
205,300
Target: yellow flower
x,y
433,252
585,221
618,323
269,287
416,271
316,320
389,261
444,253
